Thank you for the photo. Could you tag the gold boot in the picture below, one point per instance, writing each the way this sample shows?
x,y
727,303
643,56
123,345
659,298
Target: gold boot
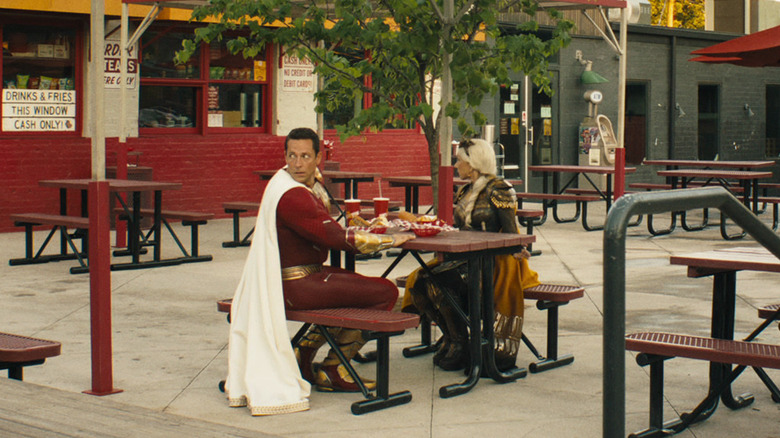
x,y
508,333
333,375
307,349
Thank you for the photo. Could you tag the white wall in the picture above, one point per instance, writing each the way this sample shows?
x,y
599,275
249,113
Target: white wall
x,y
767,15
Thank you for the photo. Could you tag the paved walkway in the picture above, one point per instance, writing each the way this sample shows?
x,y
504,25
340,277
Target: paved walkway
x,y
170,350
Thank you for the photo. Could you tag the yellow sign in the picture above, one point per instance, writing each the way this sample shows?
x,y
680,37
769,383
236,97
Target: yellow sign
x,y
260,71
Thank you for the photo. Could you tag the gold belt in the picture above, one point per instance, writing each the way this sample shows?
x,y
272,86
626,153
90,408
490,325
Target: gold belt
x,y
298,272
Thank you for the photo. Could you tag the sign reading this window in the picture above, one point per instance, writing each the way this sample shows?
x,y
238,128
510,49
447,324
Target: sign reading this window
x,y
39,110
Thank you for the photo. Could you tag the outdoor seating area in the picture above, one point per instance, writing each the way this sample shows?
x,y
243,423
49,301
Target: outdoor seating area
x,y
448,219
132,212
197,358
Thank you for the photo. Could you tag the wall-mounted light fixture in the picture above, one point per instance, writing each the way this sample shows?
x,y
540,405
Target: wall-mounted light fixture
x,y
749,111
680,112
589,76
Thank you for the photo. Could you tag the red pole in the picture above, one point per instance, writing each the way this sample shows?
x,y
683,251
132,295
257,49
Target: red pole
x,y
620,173
446,175
100,289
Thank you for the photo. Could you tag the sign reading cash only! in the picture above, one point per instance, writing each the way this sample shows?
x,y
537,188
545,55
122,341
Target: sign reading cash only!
x,y
39,110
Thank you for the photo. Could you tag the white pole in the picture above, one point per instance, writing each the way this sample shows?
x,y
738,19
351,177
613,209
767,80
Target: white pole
x,y
123,76
320,86
528,132
445,131
622,76
97,37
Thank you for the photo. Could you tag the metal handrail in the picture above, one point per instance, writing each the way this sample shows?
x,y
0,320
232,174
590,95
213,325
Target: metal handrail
x,y
614,377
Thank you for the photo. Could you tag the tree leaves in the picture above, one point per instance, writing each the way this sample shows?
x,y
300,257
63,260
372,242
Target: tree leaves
x,y
401,44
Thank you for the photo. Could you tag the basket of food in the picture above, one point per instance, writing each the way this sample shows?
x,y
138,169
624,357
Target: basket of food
x,y
426,231
422,226
378,225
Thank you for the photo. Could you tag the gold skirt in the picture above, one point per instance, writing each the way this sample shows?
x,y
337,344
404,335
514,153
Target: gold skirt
x,y
510,277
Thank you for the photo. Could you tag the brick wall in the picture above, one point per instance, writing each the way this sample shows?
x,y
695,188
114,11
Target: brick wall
x,y
213,169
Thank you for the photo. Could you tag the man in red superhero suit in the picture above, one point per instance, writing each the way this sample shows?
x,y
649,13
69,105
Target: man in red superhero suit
x,y
306,233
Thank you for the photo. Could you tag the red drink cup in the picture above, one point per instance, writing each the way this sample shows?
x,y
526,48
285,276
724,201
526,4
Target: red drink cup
x,y
380,206
353,207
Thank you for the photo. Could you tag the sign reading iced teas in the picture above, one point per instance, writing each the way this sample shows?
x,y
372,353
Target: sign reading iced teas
x,y
113,66
39,110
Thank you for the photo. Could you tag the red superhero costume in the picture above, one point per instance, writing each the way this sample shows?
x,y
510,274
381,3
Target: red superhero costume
x,y
306,232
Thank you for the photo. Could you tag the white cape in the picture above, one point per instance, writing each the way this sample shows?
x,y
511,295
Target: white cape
x,y
262,370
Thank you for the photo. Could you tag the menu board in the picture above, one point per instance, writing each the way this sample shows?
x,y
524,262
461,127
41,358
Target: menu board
x,y
39,110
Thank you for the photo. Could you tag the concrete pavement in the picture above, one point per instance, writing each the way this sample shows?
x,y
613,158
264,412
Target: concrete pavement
x,y
170,344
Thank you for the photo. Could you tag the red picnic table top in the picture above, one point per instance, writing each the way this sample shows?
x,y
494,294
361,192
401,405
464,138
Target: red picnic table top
x,y
467,241
574,168
712,163
115,185
755,258
715,173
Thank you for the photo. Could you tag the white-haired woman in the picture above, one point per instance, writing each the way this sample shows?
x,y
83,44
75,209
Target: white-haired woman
x,y
486,203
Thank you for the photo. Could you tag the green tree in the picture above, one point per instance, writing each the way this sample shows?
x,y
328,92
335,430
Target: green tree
x,y
688,14
402,43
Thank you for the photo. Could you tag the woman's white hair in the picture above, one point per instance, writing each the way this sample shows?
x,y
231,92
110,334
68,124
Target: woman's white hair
x,y
479,154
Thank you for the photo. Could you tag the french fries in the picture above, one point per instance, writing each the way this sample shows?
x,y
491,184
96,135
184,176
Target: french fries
x,y
358,221
409,217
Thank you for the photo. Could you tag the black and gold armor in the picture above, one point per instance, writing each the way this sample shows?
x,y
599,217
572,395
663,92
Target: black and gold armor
x,y
494,209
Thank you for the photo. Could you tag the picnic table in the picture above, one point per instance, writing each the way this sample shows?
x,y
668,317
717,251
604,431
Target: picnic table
x,y
558,192
722,265
478,248
748,180
412,184
711,164
134,211
350,179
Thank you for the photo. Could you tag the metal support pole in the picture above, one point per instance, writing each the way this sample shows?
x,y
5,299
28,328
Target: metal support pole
x,y
99,227
620,158
121,152
445,130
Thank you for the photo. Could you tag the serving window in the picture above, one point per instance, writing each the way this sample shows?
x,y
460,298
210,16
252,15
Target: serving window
x,y
214,91
40,73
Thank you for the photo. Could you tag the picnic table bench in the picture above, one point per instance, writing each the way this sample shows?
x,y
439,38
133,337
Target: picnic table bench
x,y
549,297
378,324
552,200
58,223
235,209
528,218
656,347
192,219
17,352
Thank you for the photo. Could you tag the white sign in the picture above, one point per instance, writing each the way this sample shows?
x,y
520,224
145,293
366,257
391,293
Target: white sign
x,y
297,75
113,63
39,110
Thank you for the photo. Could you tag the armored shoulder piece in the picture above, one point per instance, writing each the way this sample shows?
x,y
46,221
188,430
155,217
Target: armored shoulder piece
x,y
502,194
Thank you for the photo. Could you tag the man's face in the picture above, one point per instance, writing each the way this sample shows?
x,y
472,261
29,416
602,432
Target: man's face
x,y
301,160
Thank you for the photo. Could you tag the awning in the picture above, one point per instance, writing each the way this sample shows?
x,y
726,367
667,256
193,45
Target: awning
x,y
760,49
758,61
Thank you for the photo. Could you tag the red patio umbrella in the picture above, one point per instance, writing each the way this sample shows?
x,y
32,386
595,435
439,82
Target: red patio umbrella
x,y
737,60
760,49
